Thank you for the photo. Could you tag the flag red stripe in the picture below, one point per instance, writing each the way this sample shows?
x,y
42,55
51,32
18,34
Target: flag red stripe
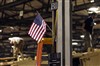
x,y
41,36
41,32
38,32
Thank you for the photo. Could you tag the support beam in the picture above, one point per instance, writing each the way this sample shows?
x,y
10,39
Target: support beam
x,y
63,32
41,1
6,14
18,22
44,15
27,11
15,22
67,23
59,30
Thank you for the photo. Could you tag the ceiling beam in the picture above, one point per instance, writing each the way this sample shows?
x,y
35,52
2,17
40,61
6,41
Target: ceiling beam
x,y
15,22
12,4
44,15
19,22
27,11
41,1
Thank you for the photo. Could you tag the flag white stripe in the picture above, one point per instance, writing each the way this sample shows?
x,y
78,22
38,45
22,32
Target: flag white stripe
x,y
39,33
31,28
35,33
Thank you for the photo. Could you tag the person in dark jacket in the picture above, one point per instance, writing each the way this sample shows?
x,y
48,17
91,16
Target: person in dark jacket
x,y
88,29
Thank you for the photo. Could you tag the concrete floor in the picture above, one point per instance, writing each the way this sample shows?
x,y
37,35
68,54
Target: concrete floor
x,y
25,62
30,62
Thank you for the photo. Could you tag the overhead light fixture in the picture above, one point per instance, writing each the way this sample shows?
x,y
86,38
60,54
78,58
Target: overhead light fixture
x,y
76,40
21,13
95,23
98,11
74,43
92,1
12,27
82,36
90,12
0,30
93,9
11,34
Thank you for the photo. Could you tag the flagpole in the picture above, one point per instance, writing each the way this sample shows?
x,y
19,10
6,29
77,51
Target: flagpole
x,y
50,29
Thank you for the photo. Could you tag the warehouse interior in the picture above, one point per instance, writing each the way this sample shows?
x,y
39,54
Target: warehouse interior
x,y
16,17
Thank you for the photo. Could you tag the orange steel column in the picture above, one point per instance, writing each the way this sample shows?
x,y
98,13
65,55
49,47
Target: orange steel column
x,y
39,53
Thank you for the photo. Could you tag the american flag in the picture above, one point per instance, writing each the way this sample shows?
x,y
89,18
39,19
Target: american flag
x,y
38,28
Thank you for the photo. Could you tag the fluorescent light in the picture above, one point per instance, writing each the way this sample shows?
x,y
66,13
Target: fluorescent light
x,y
74,43
12,27
82,36
0,30
92,1
11,34
76,40
93,9
90,12
97,11
94,23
